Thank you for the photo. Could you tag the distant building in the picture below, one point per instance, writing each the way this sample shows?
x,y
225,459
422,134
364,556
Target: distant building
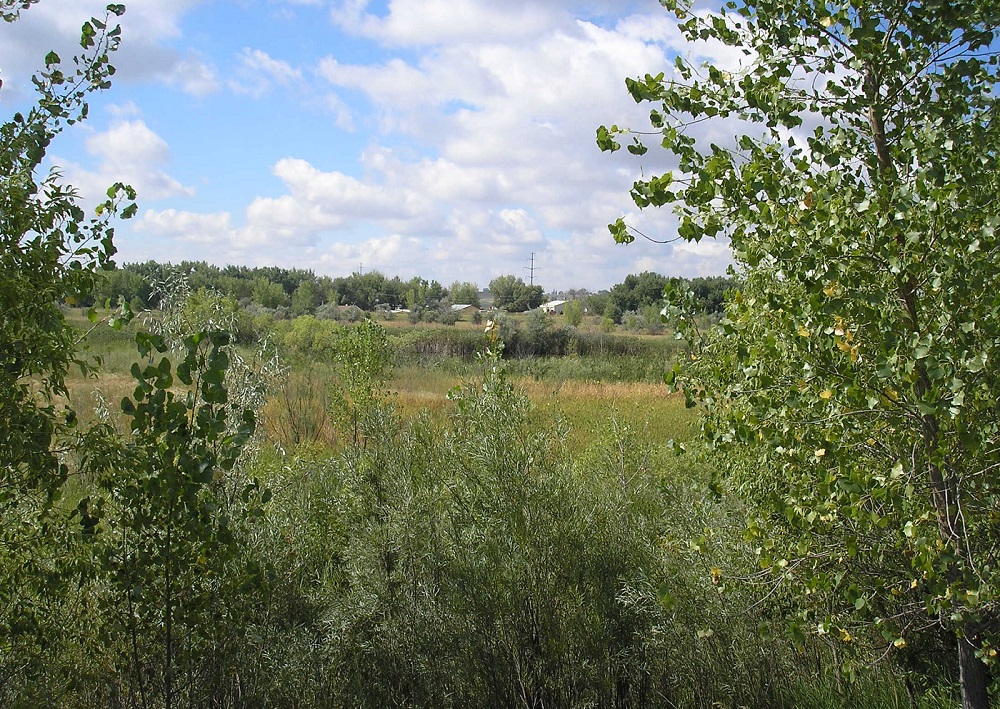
x,y
464,310
554,307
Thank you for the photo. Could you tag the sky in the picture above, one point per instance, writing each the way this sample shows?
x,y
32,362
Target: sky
x,y
448,139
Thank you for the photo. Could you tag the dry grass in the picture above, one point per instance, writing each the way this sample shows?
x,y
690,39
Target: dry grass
x,y
587,407
298,412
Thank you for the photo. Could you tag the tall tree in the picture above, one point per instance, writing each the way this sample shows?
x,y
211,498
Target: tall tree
x,y
513,294
464,293
854,379
50,251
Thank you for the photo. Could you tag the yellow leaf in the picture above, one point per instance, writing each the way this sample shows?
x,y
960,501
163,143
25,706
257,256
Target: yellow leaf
x,y
803,332
845,636
830,289
825,394
820,452
899,642
826,21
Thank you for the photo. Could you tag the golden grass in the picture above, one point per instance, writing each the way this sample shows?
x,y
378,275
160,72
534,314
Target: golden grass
x,y
651,409
586,406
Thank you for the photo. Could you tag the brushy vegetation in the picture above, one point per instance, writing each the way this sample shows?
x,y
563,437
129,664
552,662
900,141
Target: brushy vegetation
x,y
529,540
526,542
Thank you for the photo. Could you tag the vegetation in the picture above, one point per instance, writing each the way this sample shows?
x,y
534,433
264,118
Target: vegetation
x,y
50,252
341,511
514,295
850,383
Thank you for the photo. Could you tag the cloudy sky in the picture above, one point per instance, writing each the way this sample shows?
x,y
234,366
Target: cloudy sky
x,y
451,139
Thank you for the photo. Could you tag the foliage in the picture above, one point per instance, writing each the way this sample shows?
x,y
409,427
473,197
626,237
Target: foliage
x,y
306,298
573,312
476,562
363,366
464,293
514,295
167,541
50,251
637,291
852,378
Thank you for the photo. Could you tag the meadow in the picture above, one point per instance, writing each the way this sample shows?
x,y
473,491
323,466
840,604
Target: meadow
x,y
417,524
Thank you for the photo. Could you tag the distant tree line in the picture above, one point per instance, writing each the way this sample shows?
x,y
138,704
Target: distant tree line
x,y
642,292
299,291
291,292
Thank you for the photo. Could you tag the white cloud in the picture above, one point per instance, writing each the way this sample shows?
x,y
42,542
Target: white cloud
x,y
346,196
191,75
431,22
343,117
188,227
258,72
494,157
147,27
130,152
473,146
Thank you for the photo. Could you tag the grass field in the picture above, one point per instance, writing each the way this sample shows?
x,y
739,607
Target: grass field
x,y
582,394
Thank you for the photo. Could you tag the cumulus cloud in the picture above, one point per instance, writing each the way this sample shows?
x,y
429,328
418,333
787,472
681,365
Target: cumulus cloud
x,y
430,22
188,227
130,152
191,75
147,28
477,121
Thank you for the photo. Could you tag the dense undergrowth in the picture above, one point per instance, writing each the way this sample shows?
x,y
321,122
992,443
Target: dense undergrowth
x,y
480,555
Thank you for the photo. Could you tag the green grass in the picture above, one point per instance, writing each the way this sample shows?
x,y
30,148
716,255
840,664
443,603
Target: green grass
x,y
616,380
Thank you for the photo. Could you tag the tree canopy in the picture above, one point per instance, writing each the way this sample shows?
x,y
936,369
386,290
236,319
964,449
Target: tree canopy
x,y
853,381
513,294
50,252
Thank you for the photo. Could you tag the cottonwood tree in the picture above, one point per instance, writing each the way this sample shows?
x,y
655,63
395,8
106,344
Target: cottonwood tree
x,y
854,379
514,295
168,544
50,250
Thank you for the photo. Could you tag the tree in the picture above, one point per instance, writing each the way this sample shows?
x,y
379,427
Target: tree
x,y
50,254
364,290
464,293
168,541
636,292
853,380
267,293
514,295
573,312
305,298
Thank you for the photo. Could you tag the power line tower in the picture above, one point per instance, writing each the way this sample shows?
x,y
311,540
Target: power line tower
x,y
531,270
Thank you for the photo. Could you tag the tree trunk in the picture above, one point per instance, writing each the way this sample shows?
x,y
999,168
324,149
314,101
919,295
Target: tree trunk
x,y
972,676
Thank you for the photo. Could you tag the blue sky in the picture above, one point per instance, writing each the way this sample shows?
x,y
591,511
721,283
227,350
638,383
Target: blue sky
x,y
450,139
